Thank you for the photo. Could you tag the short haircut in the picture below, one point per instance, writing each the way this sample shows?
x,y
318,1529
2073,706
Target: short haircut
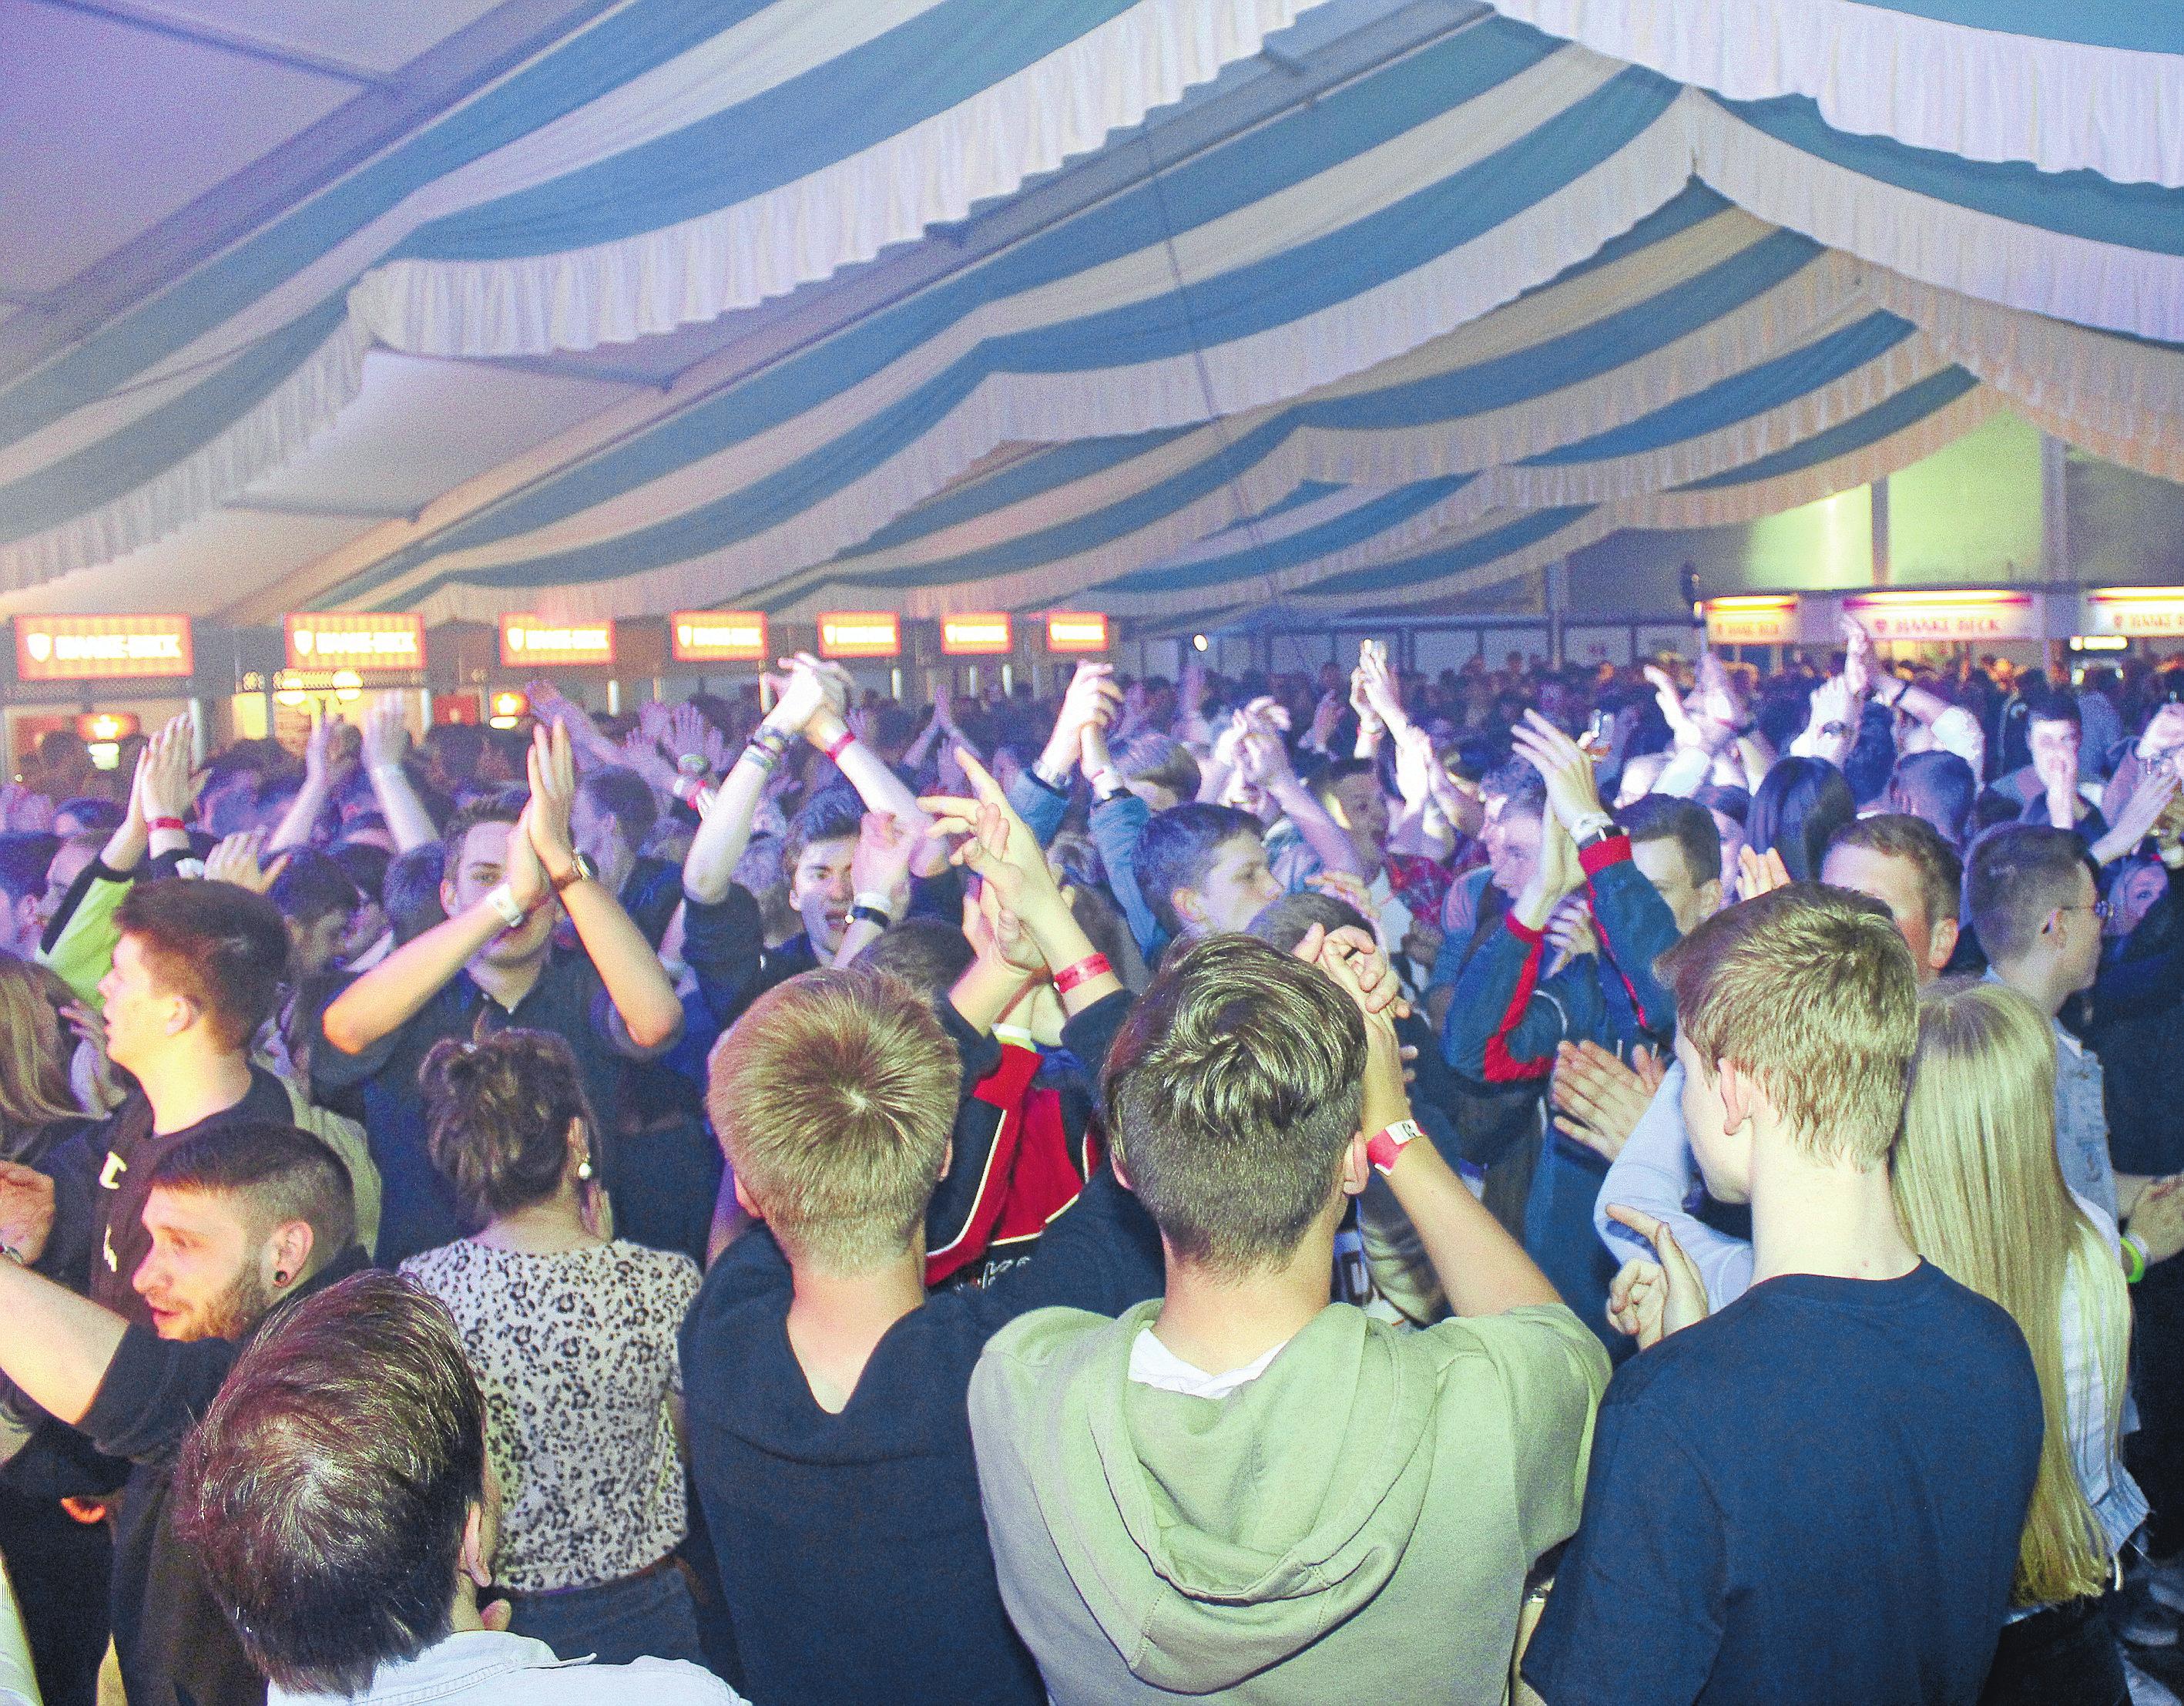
x,y
282,1172
504,806
1872,757
2056,705
620,793
325,1491
1937,786
410,892
1812,991
1336,770
1176,849
927,953
1518,786
894,725
833,814
1233,1093
313,885
220,945
1285,922
1918,843
834,1096
90,812
24,857
1690,825
496,1117
1162,763
2016,874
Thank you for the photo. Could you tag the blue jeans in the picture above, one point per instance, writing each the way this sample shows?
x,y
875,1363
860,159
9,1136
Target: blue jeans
x,y
639,1617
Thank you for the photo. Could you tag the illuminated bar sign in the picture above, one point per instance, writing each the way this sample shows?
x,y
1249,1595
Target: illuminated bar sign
x,y
344,640
2138,612
1963,617
1077,631
528,641
976,636
860,633
717,637
1752,619
85,647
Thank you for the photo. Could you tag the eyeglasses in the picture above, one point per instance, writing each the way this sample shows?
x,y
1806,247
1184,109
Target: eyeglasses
x,y
2102,911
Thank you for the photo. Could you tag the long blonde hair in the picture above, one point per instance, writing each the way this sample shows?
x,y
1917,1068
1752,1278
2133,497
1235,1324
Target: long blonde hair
x,y
34,1082
1981,1194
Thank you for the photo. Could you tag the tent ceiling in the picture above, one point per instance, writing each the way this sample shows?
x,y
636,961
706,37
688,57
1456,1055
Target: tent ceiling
x,y
476,430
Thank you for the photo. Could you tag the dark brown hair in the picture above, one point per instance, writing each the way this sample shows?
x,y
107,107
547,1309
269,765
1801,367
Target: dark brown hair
x,y
215,944
497,1113
325,1494
282,1172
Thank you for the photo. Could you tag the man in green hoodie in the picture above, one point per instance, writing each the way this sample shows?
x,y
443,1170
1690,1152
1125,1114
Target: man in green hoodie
x,y
1242,1492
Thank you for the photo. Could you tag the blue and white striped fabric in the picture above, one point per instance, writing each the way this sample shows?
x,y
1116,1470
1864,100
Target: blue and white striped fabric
x,y
2095,85
1430,331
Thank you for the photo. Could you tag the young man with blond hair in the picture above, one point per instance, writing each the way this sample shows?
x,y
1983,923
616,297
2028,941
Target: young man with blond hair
x,y
829,1437
1818,1494
1241,1491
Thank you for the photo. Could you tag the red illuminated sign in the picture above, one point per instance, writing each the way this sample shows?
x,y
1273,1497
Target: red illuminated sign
x,y
976,636
533,642
345,640
1077,631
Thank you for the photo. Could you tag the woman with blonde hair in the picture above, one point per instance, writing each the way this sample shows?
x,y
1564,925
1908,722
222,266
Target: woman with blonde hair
x,y
38,1110
1981,1195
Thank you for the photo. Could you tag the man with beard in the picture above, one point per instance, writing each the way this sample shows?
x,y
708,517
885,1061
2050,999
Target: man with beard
x,y
238,1219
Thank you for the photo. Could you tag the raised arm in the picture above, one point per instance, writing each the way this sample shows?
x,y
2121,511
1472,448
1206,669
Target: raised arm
x,y
644,1001
385,740
710,867
1482,1269
328,764
57,1346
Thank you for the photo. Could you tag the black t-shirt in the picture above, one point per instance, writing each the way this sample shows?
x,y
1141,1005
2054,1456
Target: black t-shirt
x,y
853,1558
417,1207
1816,1495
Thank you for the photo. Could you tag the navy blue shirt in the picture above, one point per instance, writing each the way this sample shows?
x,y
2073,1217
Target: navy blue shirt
x,y
1816,1495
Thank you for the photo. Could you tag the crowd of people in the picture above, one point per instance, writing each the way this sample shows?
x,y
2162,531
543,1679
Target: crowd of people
x,y
1592,1185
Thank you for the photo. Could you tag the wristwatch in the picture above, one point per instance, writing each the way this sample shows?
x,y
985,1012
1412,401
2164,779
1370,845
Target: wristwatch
x,y
1592,830
1385,1147
581,870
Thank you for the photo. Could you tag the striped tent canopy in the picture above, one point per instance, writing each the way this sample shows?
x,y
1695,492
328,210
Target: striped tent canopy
x,y
1474,298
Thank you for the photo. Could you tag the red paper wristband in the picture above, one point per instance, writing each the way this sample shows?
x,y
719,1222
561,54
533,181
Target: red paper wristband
x,y
1092,965
841,744
170,823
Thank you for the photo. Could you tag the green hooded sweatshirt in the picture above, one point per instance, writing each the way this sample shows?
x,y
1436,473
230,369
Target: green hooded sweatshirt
x,y
1355,1523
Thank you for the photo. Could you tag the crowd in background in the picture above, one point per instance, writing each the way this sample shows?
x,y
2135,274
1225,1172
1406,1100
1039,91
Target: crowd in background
x,y
1132,1194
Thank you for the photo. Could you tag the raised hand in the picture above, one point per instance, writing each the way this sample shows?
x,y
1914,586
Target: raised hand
x,y
803,695
1563,764
552,766
329,758
880,864
1326,718
1720,701
996,842
1599,1100
385,735
1651,1300
1681,724
1347,887
238,860
1858,660
1570,929
1415,764
163,774
1760,874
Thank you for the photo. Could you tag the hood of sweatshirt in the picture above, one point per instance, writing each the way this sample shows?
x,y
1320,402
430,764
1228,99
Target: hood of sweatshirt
x,y
1214,1538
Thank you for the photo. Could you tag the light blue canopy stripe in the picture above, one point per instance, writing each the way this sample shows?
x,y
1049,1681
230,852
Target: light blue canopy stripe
x,y
1739,398
933,62
2126,24
2079,203
624,44
1271,556
1585,353
1273,159
111,468
1906,407
1582,354
1481,548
